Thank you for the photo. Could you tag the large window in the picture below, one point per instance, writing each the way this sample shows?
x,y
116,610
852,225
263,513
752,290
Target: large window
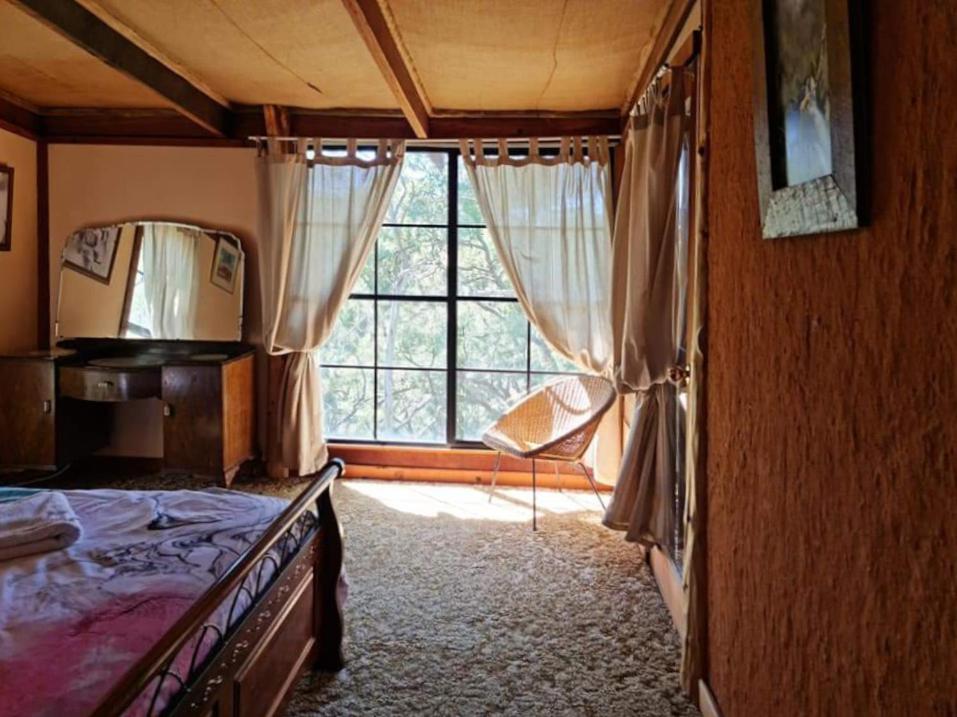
x,y
432,345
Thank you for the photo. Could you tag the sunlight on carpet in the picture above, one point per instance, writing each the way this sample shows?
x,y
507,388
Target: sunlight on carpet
x,y
471,503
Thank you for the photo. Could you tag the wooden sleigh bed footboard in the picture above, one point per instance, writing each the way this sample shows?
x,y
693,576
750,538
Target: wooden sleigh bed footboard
x,y
282,604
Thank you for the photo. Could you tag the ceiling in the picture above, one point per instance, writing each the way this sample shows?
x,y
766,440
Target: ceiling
x,y
423,58
526,54
47,70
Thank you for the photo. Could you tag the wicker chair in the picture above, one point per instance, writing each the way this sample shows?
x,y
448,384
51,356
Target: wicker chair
x,y
555,423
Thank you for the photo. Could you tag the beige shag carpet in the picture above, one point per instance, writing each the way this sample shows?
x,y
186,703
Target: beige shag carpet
x,y
457,608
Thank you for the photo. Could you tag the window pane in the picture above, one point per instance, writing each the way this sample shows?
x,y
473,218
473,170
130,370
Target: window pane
x,y
469,212
537,380
365,284
351,342
412,406
483,397
347,395
413,261
421,194
544,359
480,271
491,334
412,333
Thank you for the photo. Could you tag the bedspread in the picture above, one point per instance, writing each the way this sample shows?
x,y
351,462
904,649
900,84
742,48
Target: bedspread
x,y
73,621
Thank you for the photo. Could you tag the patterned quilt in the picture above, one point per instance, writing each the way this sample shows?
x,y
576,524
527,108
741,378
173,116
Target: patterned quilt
x,y
73,621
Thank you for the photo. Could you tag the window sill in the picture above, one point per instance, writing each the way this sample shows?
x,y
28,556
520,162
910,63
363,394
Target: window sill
x,y
471,466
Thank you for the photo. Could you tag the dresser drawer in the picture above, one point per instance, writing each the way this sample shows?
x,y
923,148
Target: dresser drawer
x,y
100,384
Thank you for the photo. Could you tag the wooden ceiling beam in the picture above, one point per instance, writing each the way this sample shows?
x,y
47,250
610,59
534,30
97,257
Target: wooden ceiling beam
x,y
495,125
77,124
671,28
167,127
16,117
106,15
89,32
375,32
277,120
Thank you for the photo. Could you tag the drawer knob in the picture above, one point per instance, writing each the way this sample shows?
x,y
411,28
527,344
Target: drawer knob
x,y
105,384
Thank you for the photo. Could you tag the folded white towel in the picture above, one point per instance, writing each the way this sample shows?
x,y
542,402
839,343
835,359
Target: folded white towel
x,y
37,524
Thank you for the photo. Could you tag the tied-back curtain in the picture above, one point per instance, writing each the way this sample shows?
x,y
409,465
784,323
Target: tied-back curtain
x,y
320,221
169,257
647,313
549,219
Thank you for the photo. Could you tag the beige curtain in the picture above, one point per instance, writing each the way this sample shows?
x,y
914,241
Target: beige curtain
x,y
549,219
647,313
320,220
169,258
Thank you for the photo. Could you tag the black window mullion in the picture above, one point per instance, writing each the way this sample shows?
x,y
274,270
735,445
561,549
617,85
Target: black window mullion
x,y
452,290
375,340
411,225
528,356
400,297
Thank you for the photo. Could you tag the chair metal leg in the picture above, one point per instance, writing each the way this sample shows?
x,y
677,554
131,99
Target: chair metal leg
x,y
591,480
498,461
558,476
534,505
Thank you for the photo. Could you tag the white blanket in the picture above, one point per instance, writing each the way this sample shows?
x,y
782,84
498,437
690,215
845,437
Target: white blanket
x,y
37,524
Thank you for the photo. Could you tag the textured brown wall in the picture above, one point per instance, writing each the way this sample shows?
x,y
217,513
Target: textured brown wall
x,y
832,407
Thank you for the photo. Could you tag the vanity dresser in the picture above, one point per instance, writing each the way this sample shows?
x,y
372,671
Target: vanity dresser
x,y
148,312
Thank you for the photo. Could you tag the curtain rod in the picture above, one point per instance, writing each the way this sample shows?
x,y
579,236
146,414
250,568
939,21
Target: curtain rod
x,y
452,143
668,67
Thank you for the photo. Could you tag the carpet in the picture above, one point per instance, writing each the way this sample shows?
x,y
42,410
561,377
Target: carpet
x,y
457,608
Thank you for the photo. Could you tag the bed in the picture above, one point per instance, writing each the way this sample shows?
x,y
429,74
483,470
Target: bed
x,y
175,603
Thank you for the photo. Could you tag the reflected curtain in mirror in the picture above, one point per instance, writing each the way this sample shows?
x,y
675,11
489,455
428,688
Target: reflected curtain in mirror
x,y
150,280
168,288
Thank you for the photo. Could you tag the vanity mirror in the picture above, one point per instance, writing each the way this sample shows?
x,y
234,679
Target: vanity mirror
x,y
151,280
149,323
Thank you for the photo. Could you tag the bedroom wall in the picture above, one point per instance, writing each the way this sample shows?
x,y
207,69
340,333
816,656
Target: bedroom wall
x,y
18,267
100,184
832,403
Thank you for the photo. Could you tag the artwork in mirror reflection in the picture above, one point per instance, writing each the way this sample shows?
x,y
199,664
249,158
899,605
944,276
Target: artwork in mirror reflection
x,y
167,283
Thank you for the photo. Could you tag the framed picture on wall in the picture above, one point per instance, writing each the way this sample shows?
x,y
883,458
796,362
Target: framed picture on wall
x,y
806,121
6,207
92,252
225,264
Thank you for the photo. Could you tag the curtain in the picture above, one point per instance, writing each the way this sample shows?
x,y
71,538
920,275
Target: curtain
x,y
549,219
320,220
169,257
647,313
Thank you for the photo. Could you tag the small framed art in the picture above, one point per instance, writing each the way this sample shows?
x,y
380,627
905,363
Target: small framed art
x,y
225,264
92,252
6,207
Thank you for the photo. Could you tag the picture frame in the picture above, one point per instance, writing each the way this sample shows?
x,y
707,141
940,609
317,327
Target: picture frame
x,y
92,252
6,207
807,118
226,264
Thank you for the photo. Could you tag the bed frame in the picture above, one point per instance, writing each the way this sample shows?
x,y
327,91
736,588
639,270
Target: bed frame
x,y
294,622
